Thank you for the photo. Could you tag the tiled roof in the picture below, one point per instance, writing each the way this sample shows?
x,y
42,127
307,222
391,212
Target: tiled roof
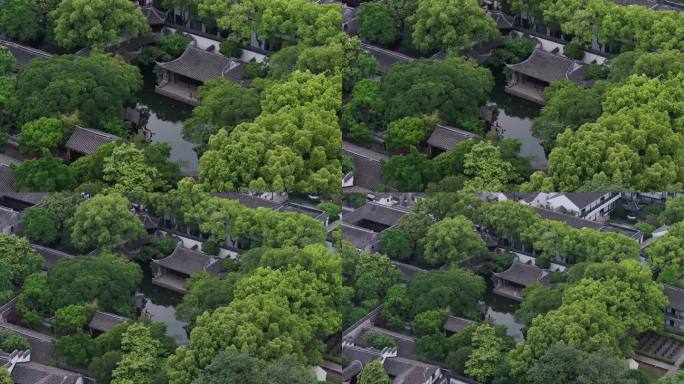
x,y
578,222
446,138
675,295
149,222
550,67
367,170
41,344
6,178
50,256
385,57
361,238
24,54
375,212
88,140
200,65
523,274
188,261
35,373
153,15
105,321
456,324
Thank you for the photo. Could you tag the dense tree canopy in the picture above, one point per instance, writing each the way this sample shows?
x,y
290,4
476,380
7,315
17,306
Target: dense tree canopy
x,y
18,20
105,221
453,241
47,174
451,25
454,87
45,133
231,366
294,145
96,86
139,361
224,105
456,289
376,23
97,23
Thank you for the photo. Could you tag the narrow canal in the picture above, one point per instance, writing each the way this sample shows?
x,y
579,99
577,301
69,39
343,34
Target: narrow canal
x,y
166,123
515,118
161,306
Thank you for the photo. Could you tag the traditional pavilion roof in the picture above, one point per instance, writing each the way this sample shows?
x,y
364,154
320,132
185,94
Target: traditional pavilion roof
x,y
446,138
403,370
24,54
524,274
35,373
549,67
32,198
9,217
149,221
361,238
88,140
50,256
385,57
502,21
583,199
200,65
675,295
41,344
367,170
371,211
304,210
153,15
6,178
105,321
456,324
189,261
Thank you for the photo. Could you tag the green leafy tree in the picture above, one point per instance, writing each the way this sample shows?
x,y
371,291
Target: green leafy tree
x,y
40,225
70,319
405,132
376,23
429,322
126,170
21,260
102,366
97,23
206,292
666,252
401,11
18,20
294,145
34,301
139,361
75,350
356,64
380,341
108,279
537,300
568,107
45,133
486,353
486,169
451,25
456,289
10,342
373,275
105,221
47,174
373,373
7,61
395,244
453,241
98,86
412,172
362,113
5,377
673,378
397,307
673,212
223,106
454,87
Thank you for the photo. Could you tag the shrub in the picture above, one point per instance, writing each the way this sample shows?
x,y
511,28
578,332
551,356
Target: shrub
x,y
159,248
380,341
254,70
597,72
332,209
574,50
230,48
10,342
71,318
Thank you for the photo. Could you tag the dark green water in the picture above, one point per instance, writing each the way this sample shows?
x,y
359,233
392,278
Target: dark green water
x,y
161,305
515,117
500,311
166,122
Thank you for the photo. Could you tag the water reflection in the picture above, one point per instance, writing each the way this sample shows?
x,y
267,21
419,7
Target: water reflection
x,y
161,306
515,118
166,123
500,311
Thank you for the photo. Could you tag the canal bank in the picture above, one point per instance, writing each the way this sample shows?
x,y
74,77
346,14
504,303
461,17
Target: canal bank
x,y
161,305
